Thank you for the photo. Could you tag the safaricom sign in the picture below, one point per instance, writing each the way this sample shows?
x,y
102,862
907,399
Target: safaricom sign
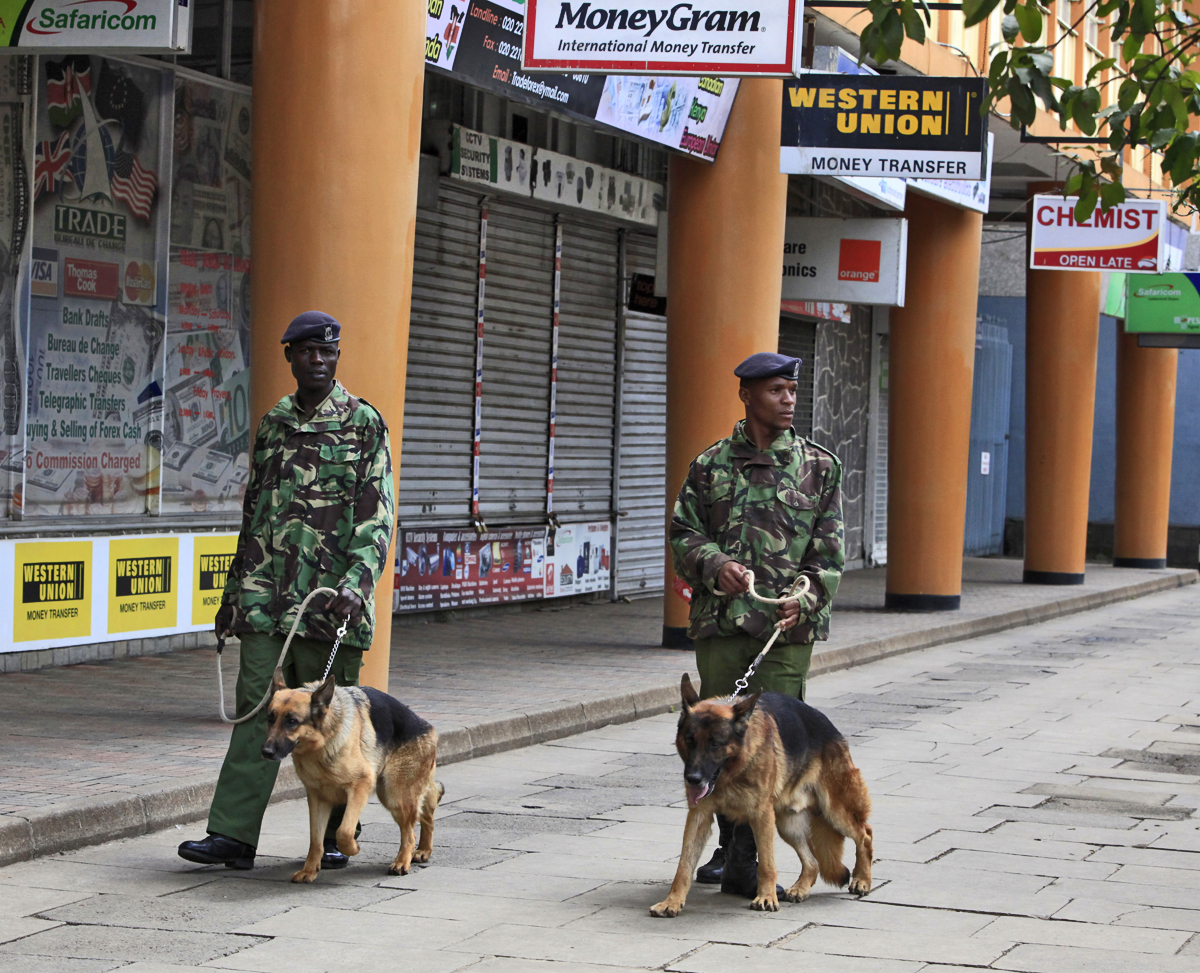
x,y
1128,237
690,38
133,25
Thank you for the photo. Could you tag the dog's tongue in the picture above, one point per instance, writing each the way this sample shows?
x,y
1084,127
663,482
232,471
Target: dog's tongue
x,y
697,792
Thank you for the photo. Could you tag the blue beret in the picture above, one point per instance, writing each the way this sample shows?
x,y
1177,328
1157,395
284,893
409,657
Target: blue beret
x,y
767,364
312,326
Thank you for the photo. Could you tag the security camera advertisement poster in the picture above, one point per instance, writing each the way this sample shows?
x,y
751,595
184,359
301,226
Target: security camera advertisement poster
x,y
440,569
578,559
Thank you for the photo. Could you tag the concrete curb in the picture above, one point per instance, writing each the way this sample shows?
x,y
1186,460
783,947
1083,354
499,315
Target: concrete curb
x,y
90,821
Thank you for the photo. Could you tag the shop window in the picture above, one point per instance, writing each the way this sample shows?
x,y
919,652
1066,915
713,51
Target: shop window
x,y
222,39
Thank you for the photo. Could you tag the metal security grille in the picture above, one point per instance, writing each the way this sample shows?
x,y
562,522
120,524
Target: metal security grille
x,y
643,472
987,470
586,372
435,471
798,338
516,364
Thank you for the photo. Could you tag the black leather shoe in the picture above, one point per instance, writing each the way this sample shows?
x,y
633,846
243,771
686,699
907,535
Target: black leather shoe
x,y
332,857
217,849
740,874
710,873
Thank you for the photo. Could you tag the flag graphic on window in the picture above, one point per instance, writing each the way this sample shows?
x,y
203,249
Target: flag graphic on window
x,y
50,166
68,82
133,184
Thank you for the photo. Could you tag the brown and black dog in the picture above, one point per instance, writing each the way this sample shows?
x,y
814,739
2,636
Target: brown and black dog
x,y
346,742
777,763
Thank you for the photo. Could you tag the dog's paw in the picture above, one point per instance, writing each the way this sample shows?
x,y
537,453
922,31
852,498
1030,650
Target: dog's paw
x,y
421,857
666,909
798,893
859,887
347,845
765,903
305,875
398,869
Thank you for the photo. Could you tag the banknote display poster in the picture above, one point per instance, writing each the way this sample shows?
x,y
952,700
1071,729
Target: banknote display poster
x,y
480,41
206,427
143,583
440,569
579,559
52,590
212,555
96,322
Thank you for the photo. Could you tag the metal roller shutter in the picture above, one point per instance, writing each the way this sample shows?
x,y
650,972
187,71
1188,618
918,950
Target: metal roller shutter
x,y
643,475
518,309
435,470
583,446
798,338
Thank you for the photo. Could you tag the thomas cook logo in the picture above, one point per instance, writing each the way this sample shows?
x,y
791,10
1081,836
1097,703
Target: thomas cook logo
x,y
142,576
52,581
81,15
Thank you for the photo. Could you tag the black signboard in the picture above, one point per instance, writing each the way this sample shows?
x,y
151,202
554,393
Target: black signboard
x,y
641,296
884,126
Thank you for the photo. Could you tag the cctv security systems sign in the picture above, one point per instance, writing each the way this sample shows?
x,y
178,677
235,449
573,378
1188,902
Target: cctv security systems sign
x,y
851,261
689,38
1128,237
888,125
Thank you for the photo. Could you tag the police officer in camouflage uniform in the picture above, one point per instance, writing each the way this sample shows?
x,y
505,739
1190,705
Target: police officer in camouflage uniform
x,y
768,500
319,512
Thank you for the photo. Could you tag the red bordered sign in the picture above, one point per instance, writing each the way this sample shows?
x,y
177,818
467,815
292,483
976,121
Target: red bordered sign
x,y
732,38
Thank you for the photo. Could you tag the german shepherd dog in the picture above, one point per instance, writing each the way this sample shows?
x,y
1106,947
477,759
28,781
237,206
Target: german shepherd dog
x,y
345,742
775,762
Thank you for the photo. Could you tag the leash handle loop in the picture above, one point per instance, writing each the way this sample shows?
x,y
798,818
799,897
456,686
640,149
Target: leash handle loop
x,y
282,655
800,587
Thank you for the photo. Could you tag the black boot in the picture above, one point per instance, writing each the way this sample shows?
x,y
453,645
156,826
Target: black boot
x,y
710,874
217,849
740,875
333,858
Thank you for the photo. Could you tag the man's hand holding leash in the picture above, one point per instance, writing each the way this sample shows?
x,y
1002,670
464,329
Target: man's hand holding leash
x,y
734,579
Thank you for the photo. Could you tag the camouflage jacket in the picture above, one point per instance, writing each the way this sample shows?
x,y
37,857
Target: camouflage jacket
x,y
319,512
777,511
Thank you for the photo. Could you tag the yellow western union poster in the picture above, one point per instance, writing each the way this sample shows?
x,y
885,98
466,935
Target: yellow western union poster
x,y
143,583
52,597
213,555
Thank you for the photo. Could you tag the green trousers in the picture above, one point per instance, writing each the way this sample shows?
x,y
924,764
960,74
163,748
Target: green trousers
x,y
723,660
247,778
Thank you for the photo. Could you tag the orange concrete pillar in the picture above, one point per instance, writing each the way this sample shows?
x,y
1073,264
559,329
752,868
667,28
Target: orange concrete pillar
x,y
1145,438
725,235
931,365
1062,332
337,95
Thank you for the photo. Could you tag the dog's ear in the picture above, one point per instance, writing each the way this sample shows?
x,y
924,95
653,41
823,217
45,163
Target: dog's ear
x,y
321,698
688,692
277,681
742,711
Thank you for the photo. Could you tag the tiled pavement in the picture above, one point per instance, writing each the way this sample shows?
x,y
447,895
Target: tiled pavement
x,y
1034,810
96,732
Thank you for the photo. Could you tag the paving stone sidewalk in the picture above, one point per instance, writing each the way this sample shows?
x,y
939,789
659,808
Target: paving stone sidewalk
x,y
1034,810
100,750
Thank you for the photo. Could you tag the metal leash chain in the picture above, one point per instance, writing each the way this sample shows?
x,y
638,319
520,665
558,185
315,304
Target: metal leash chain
x,y
801,587
286,645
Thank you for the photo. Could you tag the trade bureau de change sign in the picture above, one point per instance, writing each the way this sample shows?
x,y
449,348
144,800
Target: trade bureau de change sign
x,y
887,125
694,37
127,25
1129,237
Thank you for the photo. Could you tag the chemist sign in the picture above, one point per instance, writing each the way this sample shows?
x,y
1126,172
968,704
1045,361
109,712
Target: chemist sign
x,y
887,125
698,37
1128,237
850,261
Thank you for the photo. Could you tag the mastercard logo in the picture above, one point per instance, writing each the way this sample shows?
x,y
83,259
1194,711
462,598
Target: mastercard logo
x,y
139,283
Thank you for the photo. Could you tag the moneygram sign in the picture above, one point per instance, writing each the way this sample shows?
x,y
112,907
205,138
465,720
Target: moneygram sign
x,y
887,126
1128,237
694,38
130,25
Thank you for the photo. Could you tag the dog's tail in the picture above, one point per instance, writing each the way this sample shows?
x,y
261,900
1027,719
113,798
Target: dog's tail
x,y
827,845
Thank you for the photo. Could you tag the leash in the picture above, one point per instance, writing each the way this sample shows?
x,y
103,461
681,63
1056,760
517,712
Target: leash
x,y
286,645
801,587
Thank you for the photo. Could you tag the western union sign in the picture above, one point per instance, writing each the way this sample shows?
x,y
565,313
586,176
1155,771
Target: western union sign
x,y
886,126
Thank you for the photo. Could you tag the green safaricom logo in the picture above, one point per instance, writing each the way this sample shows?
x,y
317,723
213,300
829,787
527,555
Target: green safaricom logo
x,y
51,20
